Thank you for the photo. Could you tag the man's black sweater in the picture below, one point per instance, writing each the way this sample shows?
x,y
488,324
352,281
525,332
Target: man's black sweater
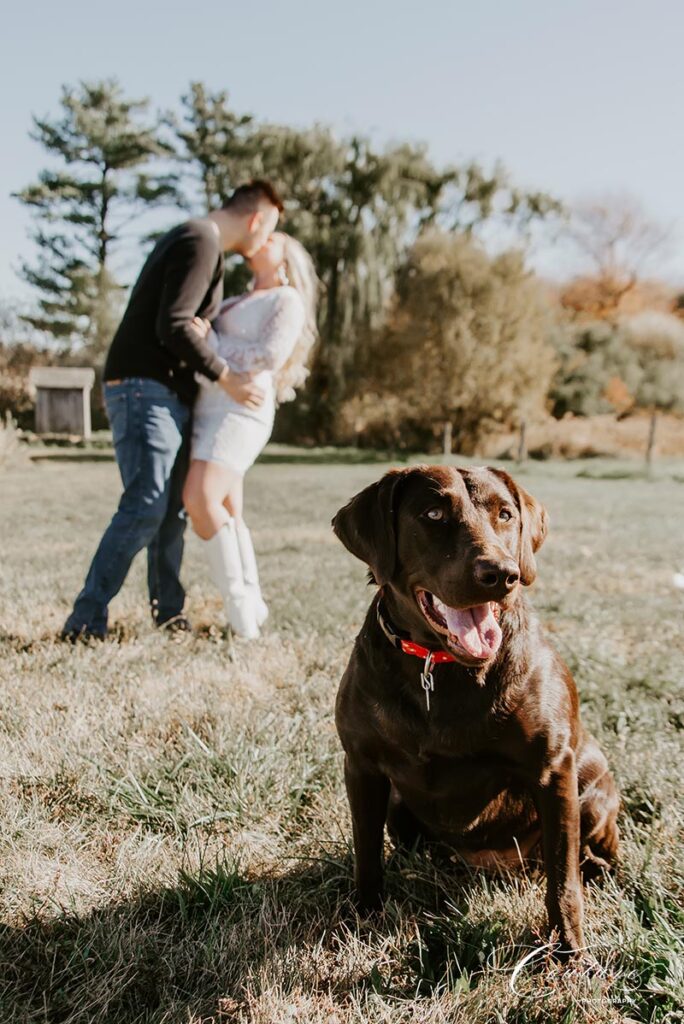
x,y
182,278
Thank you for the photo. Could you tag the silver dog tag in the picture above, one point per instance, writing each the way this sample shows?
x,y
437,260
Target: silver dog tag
x,y
427,680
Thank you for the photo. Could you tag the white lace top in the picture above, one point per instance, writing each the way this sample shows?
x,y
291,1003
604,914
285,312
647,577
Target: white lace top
x,y
258,331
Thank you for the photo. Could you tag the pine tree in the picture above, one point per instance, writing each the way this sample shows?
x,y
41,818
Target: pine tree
x,y
216,146
214,153
104,143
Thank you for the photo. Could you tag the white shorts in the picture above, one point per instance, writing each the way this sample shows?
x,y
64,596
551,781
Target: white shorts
x,y
225,432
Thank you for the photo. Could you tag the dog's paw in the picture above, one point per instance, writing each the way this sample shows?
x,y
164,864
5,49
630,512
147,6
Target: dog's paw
x,y
581,963
368,901
594,868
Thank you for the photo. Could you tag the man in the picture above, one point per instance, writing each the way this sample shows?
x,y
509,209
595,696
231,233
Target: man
x,y
149,388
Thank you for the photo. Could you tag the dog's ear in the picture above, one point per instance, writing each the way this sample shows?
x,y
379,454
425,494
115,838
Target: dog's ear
x,y
366,525
534,525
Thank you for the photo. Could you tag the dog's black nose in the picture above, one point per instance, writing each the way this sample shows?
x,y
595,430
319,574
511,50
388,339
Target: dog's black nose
x,y
493,574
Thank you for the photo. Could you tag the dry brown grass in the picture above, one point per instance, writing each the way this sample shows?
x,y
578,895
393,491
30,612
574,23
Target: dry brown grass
x,y
11,451
175,835
590,436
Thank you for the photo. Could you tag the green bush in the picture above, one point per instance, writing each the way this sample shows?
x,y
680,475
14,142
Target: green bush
x,y
604,367
657,341
16,399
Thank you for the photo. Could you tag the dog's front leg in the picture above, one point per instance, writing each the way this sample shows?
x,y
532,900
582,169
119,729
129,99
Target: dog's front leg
x,y
368,793
558,802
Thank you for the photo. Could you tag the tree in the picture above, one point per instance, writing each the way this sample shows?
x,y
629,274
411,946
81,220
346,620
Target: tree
x,y
104,143
596,371
657,341
619,242
21,347
215,150
354,210
467,198
217,147
465,344
604,367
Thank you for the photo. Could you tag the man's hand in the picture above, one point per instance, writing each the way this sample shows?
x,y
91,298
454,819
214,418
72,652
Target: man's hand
x,y
241,388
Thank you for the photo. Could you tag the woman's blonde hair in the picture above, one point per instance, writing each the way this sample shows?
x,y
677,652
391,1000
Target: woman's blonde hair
x,y
301,275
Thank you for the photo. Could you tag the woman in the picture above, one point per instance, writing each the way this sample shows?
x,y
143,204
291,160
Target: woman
x,y
268,333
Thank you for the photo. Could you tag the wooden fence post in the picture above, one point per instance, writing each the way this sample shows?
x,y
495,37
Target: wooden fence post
x,y
650,447
446,447
522,448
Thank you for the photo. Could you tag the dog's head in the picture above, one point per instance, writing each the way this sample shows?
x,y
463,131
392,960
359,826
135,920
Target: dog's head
x,y
453,545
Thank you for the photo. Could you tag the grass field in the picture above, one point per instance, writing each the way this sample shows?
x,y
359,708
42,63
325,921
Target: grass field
x,y
175,835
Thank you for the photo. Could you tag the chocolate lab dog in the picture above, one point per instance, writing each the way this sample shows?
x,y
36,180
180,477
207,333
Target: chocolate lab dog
x,y
459,721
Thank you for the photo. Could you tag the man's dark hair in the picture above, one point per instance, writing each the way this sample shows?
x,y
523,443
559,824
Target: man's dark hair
x,y
248,198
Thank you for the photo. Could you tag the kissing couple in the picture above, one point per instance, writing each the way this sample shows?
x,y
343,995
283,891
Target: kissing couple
x,y
191,385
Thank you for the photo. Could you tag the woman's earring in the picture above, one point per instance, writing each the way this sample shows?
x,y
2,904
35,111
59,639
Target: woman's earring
x,y
282,275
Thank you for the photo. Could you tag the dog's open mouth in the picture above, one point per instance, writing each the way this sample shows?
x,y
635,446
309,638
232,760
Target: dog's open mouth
x,y
473,631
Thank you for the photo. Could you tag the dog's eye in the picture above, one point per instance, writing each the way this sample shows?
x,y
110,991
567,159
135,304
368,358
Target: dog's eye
x,y
505,514
436,514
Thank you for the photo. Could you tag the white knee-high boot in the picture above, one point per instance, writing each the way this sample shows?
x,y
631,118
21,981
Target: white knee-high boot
x,y
225,567
250,571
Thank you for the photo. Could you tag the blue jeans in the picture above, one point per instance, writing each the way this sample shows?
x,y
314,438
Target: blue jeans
x,y
150,428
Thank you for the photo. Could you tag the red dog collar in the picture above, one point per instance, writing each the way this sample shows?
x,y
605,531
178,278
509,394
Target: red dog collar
x,y
408,646
430,658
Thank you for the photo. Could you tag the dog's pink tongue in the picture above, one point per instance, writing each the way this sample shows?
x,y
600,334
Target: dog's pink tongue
x,y
477,630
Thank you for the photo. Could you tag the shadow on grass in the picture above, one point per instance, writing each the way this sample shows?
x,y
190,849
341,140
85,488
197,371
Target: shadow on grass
x,y
78,455
636,473
332,456
118,633
287,456
193,950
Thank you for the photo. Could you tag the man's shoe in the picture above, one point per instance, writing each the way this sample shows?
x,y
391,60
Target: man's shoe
x,y
176,624
80,636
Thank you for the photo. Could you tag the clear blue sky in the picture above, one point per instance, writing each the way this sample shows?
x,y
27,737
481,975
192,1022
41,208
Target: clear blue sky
x,y
574,97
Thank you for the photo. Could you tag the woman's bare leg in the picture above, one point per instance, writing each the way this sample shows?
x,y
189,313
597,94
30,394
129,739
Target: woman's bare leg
x,y
208,485
234,499
211,494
